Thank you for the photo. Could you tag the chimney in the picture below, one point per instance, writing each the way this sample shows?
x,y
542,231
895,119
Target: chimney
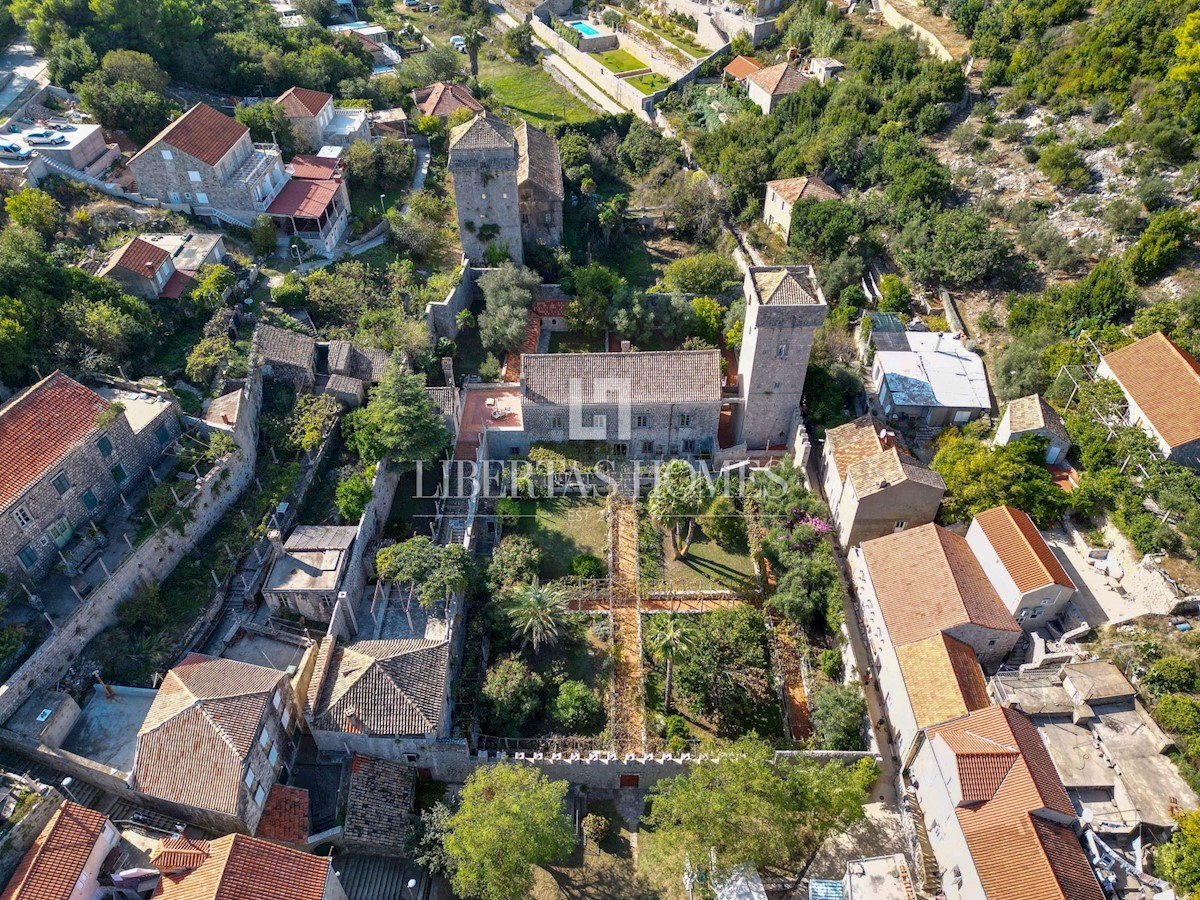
x,y
626,346
353,721
276,539
225,418
448,370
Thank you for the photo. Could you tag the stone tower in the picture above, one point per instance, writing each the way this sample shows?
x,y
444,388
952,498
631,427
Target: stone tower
x,y
784,307
483,164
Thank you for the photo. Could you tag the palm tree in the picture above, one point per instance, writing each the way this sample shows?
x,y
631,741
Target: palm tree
x,y
669,639
680,494
538,614
472,41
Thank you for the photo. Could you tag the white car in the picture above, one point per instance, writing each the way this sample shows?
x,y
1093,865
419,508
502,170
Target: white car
x,y
33,138
14,151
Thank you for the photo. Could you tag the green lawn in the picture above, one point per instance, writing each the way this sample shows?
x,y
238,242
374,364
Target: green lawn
x,y
649,83
563,529
570,342
380,257
619,61
709,566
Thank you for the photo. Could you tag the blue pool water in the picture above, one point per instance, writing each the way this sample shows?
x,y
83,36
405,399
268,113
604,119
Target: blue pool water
x,y
585,29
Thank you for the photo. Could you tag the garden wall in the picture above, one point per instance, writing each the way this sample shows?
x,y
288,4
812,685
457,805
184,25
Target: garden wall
x,y
383,491
899,21
440,316
628,96
18,839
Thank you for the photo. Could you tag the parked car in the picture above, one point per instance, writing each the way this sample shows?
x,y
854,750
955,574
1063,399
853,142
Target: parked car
x,y
14,151
411,3
34,138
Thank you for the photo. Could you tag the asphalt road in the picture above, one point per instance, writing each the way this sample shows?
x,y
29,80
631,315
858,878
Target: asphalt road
x,y
26,67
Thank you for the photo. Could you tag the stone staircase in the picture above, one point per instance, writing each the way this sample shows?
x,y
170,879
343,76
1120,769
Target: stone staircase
x,y
221,215
926,862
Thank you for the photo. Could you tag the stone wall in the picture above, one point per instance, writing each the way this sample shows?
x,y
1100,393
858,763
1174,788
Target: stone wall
x,y
899,21
440,316
18,839
153,560
628,96
383,490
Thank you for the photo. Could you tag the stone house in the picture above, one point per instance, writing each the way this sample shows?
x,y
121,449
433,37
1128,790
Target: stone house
x,y
936,382
443,99
998,818
317,123
67,857
784,308
783,194
1032,415
916,583
216,739
388,699
205,161
1161,383
824,68
69,455
642,405
874,487
767,87
285,355
307,571
507,186
162,265
1020,565
238,866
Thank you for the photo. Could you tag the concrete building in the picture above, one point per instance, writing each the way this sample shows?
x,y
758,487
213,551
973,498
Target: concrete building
x,y
1032,416
824,68
997,815
507,186
917,583
68,457
442,99
936,382
154,266
237,866
1107,749
388,698
307,571
65,860
1161,382
877,878
767,87
784,308
83,149
206,162
784,194
874,487
1020,565
215,739
317,123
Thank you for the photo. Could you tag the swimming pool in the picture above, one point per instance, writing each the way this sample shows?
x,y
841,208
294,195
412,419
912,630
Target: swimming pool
x,y
585,29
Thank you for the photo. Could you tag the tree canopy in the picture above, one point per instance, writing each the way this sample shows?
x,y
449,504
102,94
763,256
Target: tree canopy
x,y
436,571
508,294
979,477
399,421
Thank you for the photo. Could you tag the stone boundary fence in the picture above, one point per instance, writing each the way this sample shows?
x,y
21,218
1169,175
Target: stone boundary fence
x,y
440,316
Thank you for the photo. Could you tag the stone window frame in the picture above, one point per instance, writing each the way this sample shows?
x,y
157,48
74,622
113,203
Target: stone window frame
x,y
556,422
27,565
124,477
162,434
689,445
647,446
167,154
249,779
260,795
194,177
95,501
100,444
685,420
22,517
641,421
62,490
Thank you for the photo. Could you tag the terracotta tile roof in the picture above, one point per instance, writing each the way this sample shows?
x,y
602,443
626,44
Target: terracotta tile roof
x,y
304,198
443,399
1010,784
741,67
1033,413
779,80
174,854
550,309
194,741
890,467
538,160
301,103
784,286
202,132
385,688
669,376
239,868
1163,379
140,257
806,187
942,678
443,99
39,427
1022,549
379,803
314,168
177,284
285,815
927,580
484,132
50,868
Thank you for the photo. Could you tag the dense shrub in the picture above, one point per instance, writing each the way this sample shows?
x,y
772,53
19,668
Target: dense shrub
x,y
1178,714
576,709
587,566
1159,244
838,713
1171,675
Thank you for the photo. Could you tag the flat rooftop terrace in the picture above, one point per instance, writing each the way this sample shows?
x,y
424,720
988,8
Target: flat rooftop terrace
x,y
140,408
490,407
108,727
252,646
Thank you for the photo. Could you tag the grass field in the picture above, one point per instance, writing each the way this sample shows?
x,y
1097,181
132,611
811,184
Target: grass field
x,y
619,61
710,566
649,83
563,529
